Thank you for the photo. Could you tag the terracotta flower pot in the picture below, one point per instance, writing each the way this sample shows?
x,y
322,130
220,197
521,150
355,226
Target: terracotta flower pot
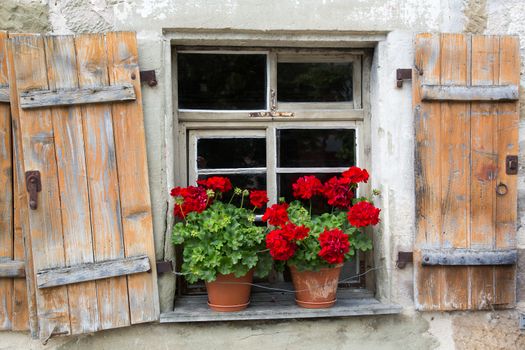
x,y
316,289
229,293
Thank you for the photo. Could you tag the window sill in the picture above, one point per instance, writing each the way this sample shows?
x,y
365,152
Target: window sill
x,y
279,306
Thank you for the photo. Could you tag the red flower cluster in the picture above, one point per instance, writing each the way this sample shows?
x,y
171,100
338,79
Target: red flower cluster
x,y
258,198
193,199
338,193
363,214
306,187
356,175
334,246
216,183
282,241
277,214
280,247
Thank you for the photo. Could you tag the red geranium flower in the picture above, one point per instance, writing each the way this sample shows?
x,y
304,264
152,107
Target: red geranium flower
x,y
363,214
338,192
307,186
258,198
190,199
295,233
280,247
276,215
356,175
216,183
334,245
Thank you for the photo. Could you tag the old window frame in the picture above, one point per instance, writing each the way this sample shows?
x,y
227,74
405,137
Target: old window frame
x,y
177,124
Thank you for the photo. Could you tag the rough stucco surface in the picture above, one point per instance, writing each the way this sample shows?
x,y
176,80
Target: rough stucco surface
x,y
391,143
24,17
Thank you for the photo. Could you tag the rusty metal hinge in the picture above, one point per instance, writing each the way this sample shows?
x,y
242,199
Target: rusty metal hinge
x,y
403,258
403,74
148,77
164,266
33,186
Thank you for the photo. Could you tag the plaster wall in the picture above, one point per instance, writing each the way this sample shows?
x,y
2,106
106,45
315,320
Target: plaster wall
x,y
392,144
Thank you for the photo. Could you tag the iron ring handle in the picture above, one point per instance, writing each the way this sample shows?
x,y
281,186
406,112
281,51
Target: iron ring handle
x,y
502,189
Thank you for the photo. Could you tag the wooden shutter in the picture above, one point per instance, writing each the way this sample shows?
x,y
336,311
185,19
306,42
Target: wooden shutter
x,y
13,294
465,93
79,123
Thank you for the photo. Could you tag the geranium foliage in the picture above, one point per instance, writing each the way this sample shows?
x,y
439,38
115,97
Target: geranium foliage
x,y
221,237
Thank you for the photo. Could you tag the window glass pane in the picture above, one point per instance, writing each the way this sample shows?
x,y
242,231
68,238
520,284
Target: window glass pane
x,y
245,181
284,189
316,148
221,81
216,153
314,82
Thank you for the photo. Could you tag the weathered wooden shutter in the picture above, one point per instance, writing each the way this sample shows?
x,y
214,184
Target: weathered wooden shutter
x,y
79,131
465,93
13,294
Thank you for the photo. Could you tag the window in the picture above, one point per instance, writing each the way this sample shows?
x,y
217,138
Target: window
x,y
265,117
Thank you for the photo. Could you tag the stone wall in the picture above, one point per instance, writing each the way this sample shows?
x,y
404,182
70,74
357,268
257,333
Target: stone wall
x,y
392,143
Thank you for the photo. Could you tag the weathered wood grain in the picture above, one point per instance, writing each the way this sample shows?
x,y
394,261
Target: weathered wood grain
x,y
101,164
25,295
72,181
37,138
133,175
469,93
477,131
6,195
77,96
271,306
4,94
508,144
483,149
12,268
427,118
93,271
455,168
465,257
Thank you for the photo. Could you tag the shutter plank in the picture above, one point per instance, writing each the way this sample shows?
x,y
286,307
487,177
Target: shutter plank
x,y
6,196
92,271
25,302
133,175
469,93
507,136
74,201
11,268
20,292
103,181
69,96
39,154
483,148
428,185
455,165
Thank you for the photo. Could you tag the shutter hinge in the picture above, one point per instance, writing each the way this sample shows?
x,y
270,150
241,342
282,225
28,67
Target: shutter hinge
x,y
403,74
403,258
164,266
148,77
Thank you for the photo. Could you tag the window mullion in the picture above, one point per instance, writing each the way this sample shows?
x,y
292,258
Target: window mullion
x,y
271,164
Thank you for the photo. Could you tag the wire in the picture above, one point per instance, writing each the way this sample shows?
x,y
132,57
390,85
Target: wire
x,y
347,279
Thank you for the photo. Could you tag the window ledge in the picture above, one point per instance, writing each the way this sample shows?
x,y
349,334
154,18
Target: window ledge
x,y
279,306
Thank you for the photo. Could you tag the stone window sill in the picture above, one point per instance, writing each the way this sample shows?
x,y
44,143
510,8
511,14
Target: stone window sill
x,y
279,306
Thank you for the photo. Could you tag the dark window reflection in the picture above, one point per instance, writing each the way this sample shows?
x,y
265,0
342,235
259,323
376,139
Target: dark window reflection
x,y
221,81
314,82
284,189
244,181
220,153
316,148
